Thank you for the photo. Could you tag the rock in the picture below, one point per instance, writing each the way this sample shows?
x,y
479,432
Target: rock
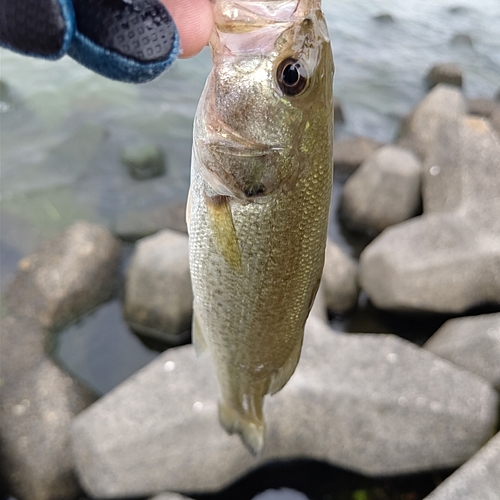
x,y
448,73
495,120
384,18
443,105
462,166
472,343
144,161
131,226
338,111
169,496
482,106
443,263
158,296
458,9
383,191
463,39
371,403
479,477
66,278
448,260
340,283
349,153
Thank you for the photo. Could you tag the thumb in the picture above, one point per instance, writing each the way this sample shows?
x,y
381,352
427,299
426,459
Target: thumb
x,y
194,20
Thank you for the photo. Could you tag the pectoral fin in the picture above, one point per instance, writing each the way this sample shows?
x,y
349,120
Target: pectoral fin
x,y
223,230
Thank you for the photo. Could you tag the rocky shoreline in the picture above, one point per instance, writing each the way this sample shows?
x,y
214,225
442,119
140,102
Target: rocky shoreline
x,y
372,403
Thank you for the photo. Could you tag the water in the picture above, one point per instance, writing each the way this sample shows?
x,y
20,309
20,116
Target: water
x,y
63,129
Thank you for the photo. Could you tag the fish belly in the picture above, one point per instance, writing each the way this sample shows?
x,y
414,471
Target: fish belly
x,y
250,315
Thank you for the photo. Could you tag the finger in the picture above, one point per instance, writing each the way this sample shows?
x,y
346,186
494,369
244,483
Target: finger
x,y
194,20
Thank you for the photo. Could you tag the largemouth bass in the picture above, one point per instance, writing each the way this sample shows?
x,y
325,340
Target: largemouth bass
x,y
258,207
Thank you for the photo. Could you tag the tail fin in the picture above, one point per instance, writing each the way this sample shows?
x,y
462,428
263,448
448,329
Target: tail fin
x,y
250,430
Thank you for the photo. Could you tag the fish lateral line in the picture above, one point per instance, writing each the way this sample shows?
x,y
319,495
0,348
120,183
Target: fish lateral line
x,y
223,229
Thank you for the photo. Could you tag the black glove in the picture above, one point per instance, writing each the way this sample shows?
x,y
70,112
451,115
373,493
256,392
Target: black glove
x,y
127,40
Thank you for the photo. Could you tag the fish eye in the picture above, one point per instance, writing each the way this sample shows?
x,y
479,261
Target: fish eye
x,y
292,77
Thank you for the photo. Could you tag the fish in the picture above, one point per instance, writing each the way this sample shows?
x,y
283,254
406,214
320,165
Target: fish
x,y
259,198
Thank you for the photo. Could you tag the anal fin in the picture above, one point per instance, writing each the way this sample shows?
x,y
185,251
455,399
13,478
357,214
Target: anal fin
x,y
283,374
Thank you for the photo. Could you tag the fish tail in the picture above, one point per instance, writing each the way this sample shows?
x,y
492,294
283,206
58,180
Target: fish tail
x,y
250,428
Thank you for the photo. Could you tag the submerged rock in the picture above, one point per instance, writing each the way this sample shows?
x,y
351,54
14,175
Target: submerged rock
x,y
384,18
478,478
383,191
338,111
158,296
136,224
144,160
372,403
340,283
66,278
473,343
448,73
351,152
463,39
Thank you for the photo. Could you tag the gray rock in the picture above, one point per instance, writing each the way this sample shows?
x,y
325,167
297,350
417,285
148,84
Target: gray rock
x,y
158,295
445,263
448,260
349,153
169,496
448,73
444,104
131,226
384,18
66,278
478,478
338,111
340,282
482,106
383,191
462,39
462,167
144,160
495,120
372,403
473,343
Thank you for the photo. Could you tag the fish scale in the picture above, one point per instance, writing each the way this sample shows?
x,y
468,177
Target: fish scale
x,y
259,205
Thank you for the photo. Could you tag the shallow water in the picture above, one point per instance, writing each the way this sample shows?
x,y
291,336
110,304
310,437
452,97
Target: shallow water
x,y
63,129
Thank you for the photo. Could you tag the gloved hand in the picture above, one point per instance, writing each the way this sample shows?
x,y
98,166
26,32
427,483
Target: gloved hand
x,y
127,40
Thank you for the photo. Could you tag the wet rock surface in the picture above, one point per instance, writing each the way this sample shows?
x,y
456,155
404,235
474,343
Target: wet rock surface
x,y
383,191
448,73
63,280
472,343
478,478
374,404
158,295
340,284
349,153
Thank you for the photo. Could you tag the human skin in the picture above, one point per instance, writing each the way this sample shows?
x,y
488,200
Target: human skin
x,y
194,20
